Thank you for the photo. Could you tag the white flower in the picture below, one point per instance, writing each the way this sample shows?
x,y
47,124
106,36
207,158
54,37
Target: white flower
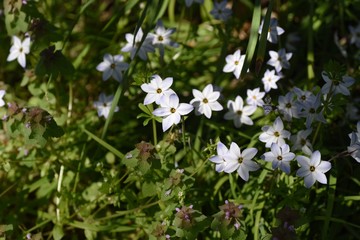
x,y
2,94
219,159
335,85
301,142
234,63
274,134
190,2
157,89
303,97
172,111
311,112
313,169
355,35
220,11
273,32
269,80
206,101
255,97
240,161
288,107
280,156
133,44
18,50
112,66
354,148
279,60
239,113
161,37
104,104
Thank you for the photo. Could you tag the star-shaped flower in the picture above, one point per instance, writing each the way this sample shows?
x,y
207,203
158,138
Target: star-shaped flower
x,y
112,66
18,50
220,11
234,63
240,161
313,169
206,101
288,107
171,111
255,97
354,148
269,80
312,111
336,85
219,159
273,32
161,37
274,134
133,43
280,156
280,59
104,105
157,89
303,97
239,113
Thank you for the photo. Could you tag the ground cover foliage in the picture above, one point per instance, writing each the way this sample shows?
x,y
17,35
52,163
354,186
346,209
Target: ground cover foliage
x,y
179,119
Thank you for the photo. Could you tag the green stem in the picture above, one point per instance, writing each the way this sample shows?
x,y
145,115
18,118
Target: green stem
x,y
183,132
310,50
330,205
154,131
112,109
122,213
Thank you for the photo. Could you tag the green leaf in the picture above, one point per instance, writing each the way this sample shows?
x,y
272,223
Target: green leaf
x,y
148,189
58,232
15,20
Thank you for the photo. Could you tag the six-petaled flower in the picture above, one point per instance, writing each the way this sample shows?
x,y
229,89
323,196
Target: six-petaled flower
x,y
313,169
171,111
206,101
234,63
112,66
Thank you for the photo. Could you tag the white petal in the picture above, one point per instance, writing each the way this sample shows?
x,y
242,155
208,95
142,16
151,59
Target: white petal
x,y
162,111
185,108
22,60
309,180
243,173
324,166
320,177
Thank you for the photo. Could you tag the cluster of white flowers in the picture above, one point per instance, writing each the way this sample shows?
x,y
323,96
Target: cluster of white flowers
x,y
170,109
233,159
312,168
114,65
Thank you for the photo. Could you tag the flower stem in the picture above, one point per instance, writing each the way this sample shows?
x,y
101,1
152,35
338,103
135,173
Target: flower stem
x,y
183,132
154,131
